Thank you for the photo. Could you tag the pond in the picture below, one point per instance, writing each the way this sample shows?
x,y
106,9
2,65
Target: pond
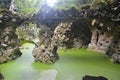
x,y
72,65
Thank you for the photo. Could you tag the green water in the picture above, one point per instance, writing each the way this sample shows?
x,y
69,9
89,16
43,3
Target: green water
x,y
72,65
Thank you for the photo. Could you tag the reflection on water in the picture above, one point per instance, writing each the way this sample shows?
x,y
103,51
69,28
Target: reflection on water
x,y
48,75
73,65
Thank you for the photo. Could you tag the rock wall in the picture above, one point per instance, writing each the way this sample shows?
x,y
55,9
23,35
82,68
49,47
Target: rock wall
x,y
100,42
60,33
106,39
72,34
114,50
105,24
101,38
105,27
8,39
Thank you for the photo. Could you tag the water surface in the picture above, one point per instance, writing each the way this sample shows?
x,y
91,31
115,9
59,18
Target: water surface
x,y
72,65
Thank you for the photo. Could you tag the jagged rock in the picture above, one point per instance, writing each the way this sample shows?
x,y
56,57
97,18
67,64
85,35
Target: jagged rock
x,y
10,54
60,33
87,77
105,39
115,58
45,51
8,39
45,55
72,34
114,50
100,42
13,8
108,12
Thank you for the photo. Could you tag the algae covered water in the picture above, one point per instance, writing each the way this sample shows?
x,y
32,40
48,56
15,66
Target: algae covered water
x,y
72,65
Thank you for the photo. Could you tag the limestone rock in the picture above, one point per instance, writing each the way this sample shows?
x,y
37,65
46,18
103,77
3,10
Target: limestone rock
x,y
72,34
10,54
105,40
44,55
8,39
114,51
115,58
46,49
100,42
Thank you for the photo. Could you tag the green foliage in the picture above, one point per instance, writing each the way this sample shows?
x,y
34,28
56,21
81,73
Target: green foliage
x,y
27,31
31,6
66,4
95,3
28,6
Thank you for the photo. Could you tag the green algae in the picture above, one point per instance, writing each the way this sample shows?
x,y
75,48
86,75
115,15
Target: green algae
x,y
72,65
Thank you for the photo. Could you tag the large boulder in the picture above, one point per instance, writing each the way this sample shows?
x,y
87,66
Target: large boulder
x,y
45,55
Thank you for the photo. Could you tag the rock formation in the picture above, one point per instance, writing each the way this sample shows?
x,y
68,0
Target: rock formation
x,y
72,34
105,39
8,39
114,50
45,51
101,39
105,29
102,22
71,30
